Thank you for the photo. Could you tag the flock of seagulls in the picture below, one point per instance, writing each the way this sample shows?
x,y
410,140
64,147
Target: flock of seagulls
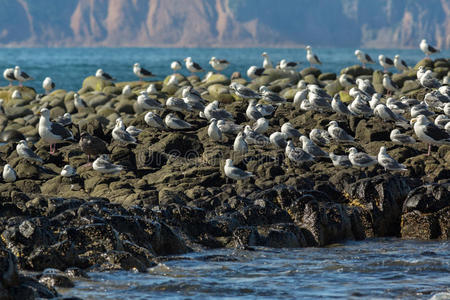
x,y
366,104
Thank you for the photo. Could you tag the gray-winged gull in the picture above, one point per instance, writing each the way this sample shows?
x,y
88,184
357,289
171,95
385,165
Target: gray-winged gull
x,y
265,109
386,114
270,96
389,85
9,175
311,57
175,65
173,122
421,109
68,171
400,64
300,96
427,48
229,127
121,135
244,92
151,89
339,107
397,137
360,107
429,133
251,112
177,104
133,130
234,172
24,151
212,110
240,145
252,137
320,137
289,130
297,155
361,159
103,165
141,72
345,81
441,121
427,80
365,86
21,76
338,134
214,132
78,102
388,162
311,148
192,97
340,160
261,125
51,132
278,139
154,120
147,103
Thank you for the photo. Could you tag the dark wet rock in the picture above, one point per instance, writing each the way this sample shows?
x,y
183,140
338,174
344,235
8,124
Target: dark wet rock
x,y
17,112
310,71
53,278
356,71
426,63
428,198
327,76
11,136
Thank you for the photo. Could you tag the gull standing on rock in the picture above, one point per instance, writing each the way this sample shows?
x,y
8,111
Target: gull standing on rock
x,y
175,123
397,137
175,65
389,85
234,172
103,165
338,134
400,64
177,104
385,62
300,96
267,64
340,160
382,111
16,95
441,121
147,103
320,137
21,76
252,113
8,74
359,107
270,96
51,132
421,109
252,137
243,91
254,72
345,81
133,130
297,155
427,49
365,86
92,145
339,107
151,89
219,64
68,171
126,91
361,159
290,131
64,120
141,72
229,127
103,75
193,98
311,148
396,105
9,175
278,139
363,58
388,162
265,109
429,133
192,66
214,132
48,85
428,81
290,66
311,57
261,125
78,102
121,135
24,151
240,145
212,110
153,120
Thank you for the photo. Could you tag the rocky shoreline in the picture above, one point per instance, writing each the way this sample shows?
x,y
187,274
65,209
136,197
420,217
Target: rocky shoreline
x,y
173,197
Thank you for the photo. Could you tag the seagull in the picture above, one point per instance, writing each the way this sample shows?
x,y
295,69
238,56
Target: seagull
x,y
363,58
365,86
389,85
311,148
151,89
397,137
218,64
21,76
254,72
174,122
386,114
92,145
278,139
270,96
315,89
16,95
300,96
240,145
173,80
175,65
192,66
427,49
214,132
121,135
64,120
297,155
234,172
51,132
339,107
265,109
261,125
428,81
252,137
421,109
243,91
24,151
319,103
396,105
229,127
8,74
212,110
103,165
267,64
68,171
291,65
290,131
359,107
320,137
311,57
447,109
103,75
9,175
133,130
388,162
420,72
153,120
126,91
252,113
409,101
429,133
193,98
441,121
340,160
345,81
78,102
436,99
354,92
177,104
141,72
147,103
48,85
400,64
301,84
338,134
361,159
385,62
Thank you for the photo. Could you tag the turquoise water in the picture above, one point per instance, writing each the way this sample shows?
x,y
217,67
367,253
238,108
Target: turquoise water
x,y
372,269
68,66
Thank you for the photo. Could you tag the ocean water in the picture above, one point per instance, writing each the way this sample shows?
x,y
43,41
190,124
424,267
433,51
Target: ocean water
x,y
371,269
69,66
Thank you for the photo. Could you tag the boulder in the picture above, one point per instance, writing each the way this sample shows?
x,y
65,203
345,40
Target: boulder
x,y
357,70
95,83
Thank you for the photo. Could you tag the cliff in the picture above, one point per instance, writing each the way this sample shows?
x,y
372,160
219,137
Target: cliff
x,y
352,23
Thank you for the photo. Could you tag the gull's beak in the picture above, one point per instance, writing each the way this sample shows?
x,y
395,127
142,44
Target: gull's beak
x,y
347,150
38,113
413,120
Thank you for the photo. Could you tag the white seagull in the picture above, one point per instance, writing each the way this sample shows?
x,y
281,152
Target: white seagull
x,y
9,175
141,72
103,75
103,165
8,74
192,66
397,137
361,159
21,76
429,133
234,172
427,49
388,162
175,65
24,151
311,57
338,134
267,64
68,171
219,64
48,85
385,62
153,120
173,122
240,145
52,133
120,134
400,64
214,132
363,58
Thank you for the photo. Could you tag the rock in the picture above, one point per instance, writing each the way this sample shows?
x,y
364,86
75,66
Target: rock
x,y
27,93
426,62
95,83
428,198
327,76
400,78
440,72
333,88
441,63
357,70
373,130
274,74
220,92
310,71
56,279
8,136
310,79
409,86
17,112
217,79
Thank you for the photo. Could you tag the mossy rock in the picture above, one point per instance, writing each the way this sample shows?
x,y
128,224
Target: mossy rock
x,y
96,99
275,74
440,72
288,93
97,84
426,62
281,83
220,92
311,79
400,78
310,71
345,97
179,77
327,76
357,70
169,89
410,85
377,77
112,90
333,87
18,112
442,62
26,92
217,78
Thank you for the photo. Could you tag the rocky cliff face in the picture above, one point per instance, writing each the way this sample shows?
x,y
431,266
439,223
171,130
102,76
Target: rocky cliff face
x,y
375,23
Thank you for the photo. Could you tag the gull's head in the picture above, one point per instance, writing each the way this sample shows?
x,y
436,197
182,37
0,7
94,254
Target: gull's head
x,y
99,72
213,120
352,150
358,52
289,144
308,48
229,162
332,123
23,143
247,128
383,150
233,85
264,54
252,102
381,57
188,59
397,56
423,41
303,139
385,76
137,65
45,112
17,68
263,88
215,103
